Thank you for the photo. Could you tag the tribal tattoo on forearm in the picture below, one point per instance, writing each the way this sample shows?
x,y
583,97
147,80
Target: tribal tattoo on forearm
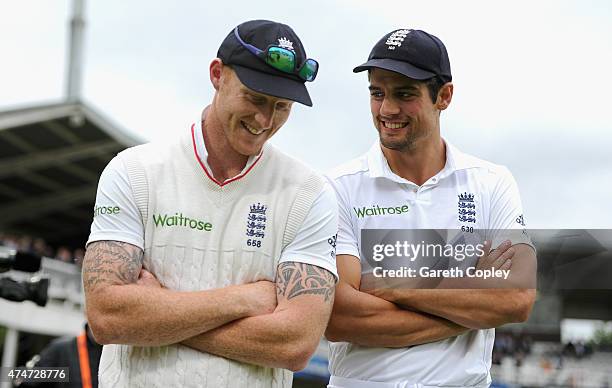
x,y
294,279
111,262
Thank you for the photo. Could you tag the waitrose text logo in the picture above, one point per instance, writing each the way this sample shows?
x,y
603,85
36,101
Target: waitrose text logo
x,y
376,210
102,210
163,220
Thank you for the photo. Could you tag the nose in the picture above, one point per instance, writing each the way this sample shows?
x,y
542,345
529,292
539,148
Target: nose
x,y
265,116
389,107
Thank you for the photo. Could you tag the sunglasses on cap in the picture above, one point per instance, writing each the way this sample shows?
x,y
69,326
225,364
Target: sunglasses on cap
x,y
282,59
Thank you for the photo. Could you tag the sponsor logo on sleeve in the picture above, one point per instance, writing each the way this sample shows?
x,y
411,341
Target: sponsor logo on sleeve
x,y
332,241
106,210
521,221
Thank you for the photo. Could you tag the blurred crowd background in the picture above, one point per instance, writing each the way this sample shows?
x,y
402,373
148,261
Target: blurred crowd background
x,y
38,246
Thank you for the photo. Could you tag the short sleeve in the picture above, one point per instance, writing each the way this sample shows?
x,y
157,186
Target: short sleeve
x,y
507,221
315,241
115,214
347,243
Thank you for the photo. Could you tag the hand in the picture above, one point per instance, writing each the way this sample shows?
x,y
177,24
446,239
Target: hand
x,y
395,290
500,258
262,297
382,291
147,279
383,287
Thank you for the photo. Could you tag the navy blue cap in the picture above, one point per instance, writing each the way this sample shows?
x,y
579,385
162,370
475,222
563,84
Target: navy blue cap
x,y
255,73
413,53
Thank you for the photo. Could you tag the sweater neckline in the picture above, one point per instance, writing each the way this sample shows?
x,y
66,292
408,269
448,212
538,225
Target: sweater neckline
x,y
209,173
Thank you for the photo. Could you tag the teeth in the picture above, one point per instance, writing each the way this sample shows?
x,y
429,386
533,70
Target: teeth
x,y
394,125
253,130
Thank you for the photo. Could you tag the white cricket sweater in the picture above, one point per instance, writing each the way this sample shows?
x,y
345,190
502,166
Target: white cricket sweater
x,y
200,235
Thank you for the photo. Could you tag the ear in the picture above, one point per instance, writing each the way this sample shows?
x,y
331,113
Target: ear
x,y
445,95
216,72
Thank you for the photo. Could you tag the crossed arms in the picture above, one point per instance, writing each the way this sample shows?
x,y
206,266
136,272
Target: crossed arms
x,y
270,324
279,325
397,317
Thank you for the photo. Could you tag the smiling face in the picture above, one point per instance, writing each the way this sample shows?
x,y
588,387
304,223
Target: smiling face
x,y
403,111
248,119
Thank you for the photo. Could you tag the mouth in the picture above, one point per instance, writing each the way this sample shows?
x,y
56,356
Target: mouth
x,y
252,130
394,125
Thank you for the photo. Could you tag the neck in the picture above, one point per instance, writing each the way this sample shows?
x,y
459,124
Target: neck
x,y
223,160
419,164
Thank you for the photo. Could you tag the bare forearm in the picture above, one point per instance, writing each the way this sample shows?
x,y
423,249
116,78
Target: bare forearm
x,y
473,308
474,302
274,340
287,337
120,310
145,316
367,320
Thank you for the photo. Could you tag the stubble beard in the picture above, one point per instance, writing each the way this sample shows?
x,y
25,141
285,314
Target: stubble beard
x,y
407,144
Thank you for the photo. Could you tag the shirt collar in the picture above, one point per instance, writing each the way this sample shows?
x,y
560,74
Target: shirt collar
x,y
202,153
379,167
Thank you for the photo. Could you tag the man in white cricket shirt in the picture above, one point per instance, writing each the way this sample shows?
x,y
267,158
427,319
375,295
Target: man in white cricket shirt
x,y
412,178
211,259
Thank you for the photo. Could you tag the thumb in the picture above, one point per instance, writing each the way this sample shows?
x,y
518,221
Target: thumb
x,y
144,274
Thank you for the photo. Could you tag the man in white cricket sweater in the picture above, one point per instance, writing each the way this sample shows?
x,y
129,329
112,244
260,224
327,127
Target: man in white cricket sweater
x,y
211,259
413,179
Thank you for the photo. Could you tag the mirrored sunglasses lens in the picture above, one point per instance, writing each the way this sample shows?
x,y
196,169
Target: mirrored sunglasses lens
x,y
281,59
309,70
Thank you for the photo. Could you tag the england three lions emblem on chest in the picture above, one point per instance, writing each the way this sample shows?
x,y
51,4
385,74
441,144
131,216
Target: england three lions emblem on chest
x,y
256,225
466,208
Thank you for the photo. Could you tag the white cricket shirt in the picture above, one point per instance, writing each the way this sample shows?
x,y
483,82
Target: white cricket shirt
x,y
365,185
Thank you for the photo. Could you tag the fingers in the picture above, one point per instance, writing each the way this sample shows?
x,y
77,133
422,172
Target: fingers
x,y
266,284
497,257
503,247
367,282
507,265
503,258
146,278
486,248
144,274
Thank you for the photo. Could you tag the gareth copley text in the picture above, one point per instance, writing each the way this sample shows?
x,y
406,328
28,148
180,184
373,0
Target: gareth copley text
x,y
426,272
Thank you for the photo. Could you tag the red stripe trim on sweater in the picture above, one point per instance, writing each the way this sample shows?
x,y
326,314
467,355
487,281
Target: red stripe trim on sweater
x,y
208,174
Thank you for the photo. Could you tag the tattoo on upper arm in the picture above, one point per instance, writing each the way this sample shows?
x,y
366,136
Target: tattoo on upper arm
x,y
294,279
111,262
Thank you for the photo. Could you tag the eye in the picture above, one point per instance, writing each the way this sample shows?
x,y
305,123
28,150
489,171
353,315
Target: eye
x,y
405,95
256,100
376,94
283,106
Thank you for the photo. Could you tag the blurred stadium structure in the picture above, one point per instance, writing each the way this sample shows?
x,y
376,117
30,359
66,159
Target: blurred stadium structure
x,y
51,157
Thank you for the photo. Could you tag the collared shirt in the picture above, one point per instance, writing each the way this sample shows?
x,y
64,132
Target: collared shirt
x,y
468,192
366,186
